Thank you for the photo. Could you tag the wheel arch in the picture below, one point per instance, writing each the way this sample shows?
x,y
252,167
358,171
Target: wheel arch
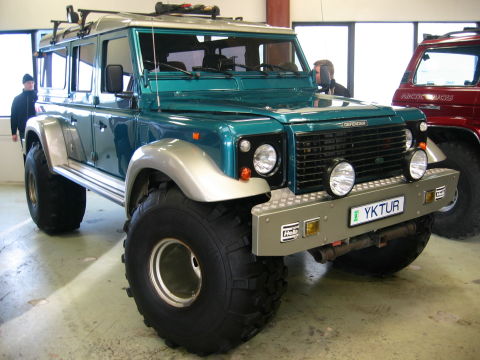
x,y
189,168
47,130
441,134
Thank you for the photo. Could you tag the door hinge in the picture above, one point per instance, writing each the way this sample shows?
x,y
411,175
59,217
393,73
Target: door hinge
x,y
93,156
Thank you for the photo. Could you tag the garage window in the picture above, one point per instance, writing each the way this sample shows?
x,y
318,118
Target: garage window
x,y
13,66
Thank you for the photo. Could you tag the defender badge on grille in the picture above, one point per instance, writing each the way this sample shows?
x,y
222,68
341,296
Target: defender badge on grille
x,y
356,123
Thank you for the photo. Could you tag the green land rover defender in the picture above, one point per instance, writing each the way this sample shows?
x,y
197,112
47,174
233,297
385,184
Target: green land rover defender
x,y
214,136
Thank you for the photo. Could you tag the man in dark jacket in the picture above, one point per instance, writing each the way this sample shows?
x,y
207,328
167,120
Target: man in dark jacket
x,y
23,107
335,88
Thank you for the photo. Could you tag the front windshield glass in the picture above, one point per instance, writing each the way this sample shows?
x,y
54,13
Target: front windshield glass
x,y
248,53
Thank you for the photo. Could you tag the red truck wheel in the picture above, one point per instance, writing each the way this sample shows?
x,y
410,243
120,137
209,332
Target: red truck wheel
x,y
461,219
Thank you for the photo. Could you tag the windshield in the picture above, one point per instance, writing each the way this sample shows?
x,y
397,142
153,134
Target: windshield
x,y
245,53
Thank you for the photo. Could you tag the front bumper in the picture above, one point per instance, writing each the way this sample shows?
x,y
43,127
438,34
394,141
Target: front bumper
x,y
290,211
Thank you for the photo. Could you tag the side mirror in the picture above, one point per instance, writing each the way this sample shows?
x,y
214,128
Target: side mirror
x,y
114,78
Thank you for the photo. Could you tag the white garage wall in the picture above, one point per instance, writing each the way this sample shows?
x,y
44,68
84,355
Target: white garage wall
x,y
384,10
36,14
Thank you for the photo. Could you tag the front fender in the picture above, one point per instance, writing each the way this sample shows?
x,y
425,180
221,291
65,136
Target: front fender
x,y
49,131
434,153
194,172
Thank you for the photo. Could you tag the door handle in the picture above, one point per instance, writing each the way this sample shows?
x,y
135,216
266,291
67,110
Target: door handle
x,y
73,121
430,107
102,126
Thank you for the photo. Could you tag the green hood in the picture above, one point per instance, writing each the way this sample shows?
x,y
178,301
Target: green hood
x,y
286,106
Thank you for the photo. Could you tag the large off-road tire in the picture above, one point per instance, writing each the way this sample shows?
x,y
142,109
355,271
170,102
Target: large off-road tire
x,y
193,275
56,204
396,255
461,219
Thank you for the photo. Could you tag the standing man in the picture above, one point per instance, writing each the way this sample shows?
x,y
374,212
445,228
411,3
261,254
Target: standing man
x,y
23,107
334,88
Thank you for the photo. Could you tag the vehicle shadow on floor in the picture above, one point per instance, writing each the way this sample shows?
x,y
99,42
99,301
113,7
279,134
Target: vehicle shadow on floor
x,y
33,264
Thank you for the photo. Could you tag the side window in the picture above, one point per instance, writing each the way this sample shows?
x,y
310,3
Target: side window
x,y
82,67
117,52
449,67
52,68
280,54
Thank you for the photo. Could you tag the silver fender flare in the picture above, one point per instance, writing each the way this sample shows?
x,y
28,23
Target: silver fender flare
x,y
49,130
434,153
194,172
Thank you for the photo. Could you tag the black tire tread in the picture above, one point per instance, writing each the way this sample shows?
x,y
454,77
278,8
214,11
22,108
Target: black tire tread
x,y
463,221
396,255
61,202
255,295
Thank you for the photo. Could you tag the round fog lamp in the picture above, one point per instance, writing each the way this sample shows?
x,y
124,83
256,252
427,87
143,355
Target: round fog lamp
x,y
340,179
264,159
416,164
408,138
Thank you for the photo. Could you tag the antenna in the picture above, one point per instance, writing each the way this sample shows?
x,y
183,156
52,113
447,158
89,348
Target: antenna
x,y
155,63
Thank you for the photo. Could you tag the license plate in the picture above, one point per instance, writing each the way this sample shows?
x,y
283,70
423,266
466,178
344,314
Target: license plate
x,y
376,211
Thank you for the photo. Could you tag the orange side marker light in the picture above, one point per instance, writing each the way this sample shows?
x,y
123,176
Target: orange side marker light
x,y
245,173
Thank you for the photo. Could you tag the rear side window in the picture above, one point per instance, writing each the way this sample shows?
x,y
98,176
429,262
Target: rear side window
x,y
82,69
52,68
455,66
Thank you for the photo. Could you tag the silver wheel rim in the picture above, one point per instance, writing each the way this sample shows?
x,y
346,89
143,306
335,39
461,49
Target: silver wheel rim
x,y
175,272
32,189
450,206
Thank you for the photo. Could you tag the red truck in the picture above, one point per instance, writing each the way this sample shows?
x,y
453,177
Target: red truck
x,y
442,79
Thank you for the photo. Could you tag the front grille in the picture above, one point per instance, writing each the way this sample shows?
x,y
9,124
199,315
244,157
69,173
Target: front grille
x,y
375,152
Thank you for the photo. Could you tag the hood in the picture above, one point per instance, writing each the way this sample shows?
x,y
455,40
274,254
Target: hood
x,y
286,106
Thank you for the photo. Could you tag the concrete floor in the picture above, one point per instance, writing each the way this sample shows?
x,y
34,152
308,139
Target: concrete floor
x,y
63,297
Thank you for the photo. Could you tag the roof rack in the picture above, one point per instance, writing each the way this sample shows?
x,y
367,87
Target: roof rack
x,y
164,9
160,9
465,30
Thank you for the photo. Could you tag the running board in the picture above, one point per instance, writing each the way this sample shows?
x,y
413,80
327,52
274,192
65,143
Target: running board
x,y
105,185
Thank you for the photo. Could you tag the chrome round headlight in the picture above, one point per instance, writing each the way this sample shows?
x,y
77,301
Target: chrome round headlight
x,y
408,138
265,159
416,164
340,179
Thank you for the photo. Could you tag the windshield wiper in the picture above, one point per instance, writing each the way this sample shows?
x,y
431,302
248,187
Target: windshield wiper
x,y
210,69
251,68
158,64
